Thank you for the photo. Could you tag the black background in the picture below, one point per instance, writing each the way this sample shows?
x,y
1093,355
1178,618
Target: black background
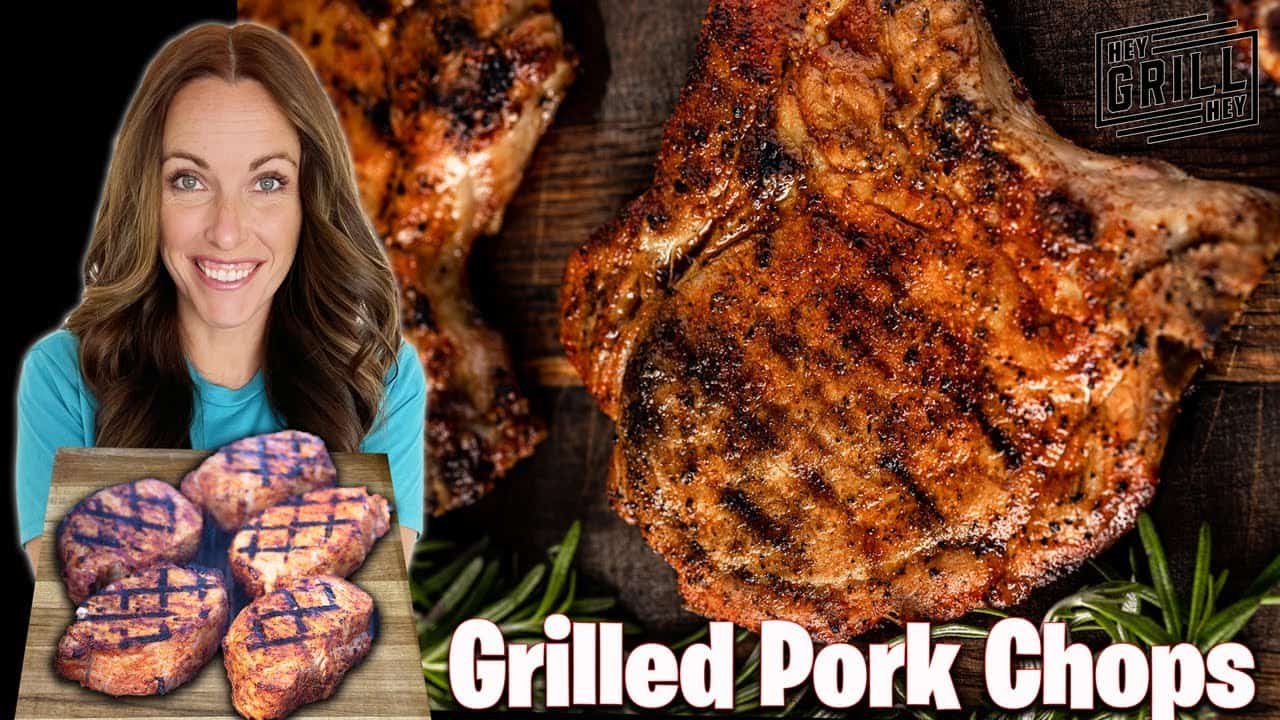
x,y
71,80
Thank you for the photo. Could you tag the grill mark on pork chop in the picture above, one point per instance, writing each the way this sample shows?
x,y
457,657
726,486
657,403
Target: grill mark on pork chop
x,y
94,508
893,463
162,591
124,529
261,455
757,520
299,614
244,478
297,502
98,540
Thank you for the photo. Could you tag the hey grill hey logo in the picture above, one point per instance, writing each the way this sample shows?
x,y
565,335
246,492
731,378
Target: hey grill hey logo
x,y
1176,79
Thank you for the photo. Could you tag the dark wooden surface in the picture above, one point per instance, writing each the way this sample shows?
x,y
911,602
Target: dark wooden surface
x,y
1223,461
386,684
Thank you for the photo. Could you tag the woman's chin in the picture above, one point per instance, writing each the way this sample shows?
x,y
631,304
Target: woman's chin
x,y
225,318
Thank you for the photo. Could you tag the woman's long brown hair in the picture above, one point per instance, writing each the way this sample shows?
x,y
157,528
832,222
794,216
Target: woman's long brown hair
x,y
334,327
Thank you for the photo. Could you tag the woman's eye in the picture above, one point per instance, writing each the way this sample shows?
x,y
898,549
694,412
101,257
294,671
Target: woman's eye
x,y
186,182
270,184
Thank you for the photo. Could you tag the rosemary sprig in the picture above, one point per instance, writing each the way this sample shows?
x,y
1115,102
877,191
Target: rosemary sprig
x,y
1151,613
450,586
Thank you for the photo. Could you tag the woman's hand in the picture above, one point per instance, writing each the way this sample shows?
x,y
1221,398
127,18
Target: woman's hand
x,y
408,538
33,553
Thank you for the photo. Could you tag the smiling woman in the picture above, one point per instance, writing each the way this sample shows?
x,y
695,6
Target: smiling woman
x,y
232,284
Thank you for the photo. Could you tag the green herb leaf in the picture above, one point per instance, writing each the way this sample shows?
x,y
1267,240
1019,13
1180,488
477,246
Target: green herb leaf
x,y
1227,622
1202,584
1158,565
559,569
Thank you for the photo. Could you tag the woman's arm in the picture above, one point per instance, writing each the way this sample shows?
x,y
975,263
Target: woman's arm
x,y
50,416
399,434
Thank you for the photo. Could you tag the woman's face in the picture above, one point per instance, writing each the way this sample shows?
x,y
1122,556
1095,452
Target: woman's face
x,y
230,210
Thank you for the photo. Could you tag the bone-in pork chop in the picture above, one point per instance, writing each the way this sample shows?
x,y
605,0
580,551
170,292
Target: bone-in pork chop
x,y
148,633
443,102
122,530
878,342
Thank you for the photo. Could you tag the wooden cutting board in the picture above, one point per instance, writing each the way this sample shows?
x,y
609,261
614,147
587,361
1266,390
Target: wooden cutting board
x,y
1223,460
387,684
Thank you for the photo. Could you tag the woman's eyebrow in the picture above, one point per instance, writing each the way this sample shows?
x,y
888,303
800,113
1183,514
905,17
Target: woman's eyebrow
x,y
186,156
273,156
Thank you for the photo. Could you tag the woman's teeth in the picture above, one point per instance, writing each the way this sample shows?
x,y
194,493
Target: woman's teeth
x,y
226,273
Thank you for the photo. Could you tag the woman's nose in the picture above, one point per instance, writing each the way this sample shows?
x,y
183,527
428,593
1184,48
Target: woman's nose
x,y
226,231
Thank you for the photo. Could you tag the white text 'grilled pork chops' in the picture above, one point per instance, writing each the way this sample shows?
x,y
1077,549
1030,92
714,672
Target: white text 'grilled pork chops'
x,y
322,532
250,475
148,633
878,342
122,530
443,102
293,646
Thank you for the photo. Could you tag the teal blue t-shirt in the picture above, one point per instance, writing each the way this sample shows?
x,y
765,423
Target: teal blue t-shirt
x,y
56,409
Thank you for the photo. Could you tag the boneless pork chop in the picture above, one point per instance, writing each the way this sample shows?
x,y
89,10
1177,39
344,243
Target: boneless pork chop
x,y
322,532
293,645
881,344
122,530
250,475
146,634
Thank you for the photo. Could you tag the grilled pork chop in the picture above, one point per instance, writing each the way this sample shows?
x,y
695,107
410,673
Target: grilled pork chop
x,y
878,342
293,645
122,530
322,532
443,102
1263,16
146,634
248,476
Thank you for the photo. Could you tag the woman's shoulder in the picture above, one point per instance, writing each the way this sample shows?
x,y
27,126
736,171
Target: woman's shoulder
x,y
53,362
405,374
58,350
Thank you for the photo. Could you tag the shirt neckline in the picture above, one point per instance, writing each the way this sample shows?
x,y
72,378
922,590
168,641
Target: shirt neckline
x,y
215,394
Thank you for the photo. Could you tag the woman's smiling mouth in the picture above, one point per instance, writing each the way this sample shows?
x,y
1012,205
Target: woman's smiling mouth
x,y
223,275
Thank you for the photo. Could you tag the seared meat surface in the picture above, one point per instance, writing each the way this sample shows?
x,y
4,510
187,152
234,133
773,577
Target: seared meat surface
x,y
122,530
1263,16
443,102
878,342
248,476
322,532
146,634
292,646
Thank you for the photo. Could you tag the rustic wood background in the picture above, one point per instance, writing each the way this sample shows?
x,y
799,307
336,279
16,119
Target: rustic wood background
x,y
387,684
1223,461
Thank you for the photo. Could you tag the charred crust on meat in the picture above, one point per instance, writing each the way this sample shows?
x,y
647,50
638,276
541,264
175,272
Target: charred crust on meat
x,y
894,464
454,33
762,160
1068,220
757,520
918,281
